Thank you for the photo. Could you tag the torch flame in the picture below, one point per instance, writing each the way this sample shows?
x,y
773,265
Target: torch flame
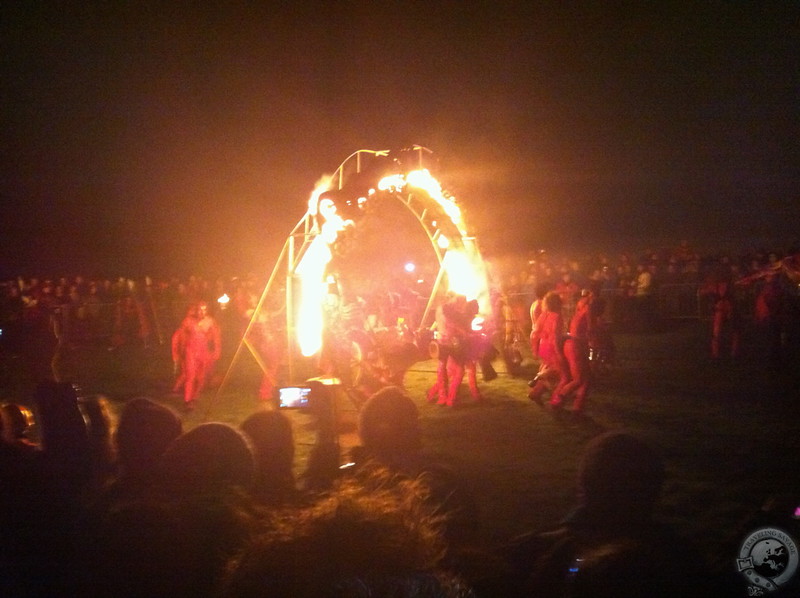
x,y
311,270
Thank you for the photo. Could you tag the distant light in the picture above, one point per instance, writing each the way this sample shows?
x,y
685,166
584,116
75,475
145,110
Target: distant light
x,y
223,301
443,242
420,280
409,267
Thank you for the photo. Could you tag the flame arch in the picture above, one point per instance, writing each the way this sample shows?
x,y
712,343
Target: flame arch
x,y
336,204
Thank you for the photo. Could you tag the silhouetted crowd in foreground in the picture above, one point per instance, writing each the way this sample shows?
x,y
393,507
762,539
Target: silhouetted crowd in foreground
x,y
142,507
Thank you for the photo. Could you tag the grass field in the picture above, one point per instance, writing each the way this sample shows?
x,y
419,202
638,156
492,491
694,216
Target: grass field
x,y
729,433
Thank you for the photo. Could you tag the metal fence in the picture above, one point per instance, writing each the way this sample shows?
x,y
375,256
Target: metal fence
x,y
680,301
98,322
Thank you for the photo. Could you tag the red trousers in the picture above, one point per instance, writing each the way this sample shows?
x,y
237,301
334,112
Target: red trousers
x,y
576,352
197,368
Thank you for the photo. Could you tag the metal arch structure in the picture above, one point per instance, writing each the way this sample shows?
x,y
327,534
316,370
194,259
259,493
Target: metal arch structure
x,y
355,180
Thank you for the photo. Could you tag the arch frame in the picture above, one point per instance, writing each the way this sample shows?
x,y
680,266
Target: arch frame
x,y
443,233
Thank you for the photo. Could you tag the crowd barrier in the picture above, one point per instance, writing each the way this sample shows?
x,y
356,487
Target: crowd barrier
x,y
100,322
679,301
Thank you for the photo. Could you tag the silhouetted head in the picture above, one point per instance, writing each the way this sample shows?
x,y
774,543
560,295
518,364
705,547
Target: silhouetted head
x,y
270,433
210,457
552,301
144,432
378,539
389,424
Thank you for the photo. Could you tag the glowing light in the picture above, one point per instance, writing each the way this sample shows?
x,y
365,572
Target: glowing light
x,y
462,263
462,276
394,182
422,179
320,188
311,271
223,301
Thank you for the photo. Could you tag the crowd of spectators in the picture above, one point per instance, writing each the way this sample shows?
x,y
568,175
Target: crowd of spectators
x,y
142,507
93,307
674,274
637,292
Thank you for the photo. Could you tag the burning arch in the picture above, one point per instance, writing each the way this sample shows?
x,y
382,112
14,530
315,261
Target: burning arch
x,y
336,205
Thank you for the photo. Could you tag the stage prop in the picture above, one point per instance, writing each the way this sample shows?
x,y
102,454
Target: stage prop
x,y
304,273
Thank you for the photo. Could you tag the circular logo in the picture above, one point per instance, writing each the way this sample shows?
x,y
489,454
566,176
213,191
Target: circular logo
x,y
768,558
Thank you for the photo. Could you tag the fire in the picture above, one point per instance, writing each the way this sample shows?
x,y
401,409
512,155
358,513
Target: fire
x,y
461,263
422,179
462,276
464,267
311,270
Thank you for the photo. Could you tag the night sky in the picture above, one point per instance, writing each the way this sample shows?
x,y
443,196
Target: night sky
x,y
169,139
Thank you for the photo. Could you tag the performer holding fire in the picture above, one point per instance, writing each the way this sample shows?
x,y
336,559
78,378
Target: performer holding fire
x,y
197,347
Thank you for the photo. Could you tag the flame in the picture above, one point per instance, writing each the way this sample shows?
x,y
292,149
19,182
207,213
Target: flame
x,y
463,265
423,179
311,270
465,270
462,276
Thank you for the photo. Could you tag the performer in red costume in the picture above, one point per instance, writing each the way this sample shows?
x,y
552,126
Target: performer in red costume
x,y
452,327
200,339
178,353
547,341
576,352
725,320
478,344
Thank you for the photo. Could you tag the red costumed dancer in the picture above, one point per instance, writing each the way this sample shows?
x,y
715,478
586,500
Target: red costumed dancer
x,y
547,344
576,352
724,318
453,327
200,340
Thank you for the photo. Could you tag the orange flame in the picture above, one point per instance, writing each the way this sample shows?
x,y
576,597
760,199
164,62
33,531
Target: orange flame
x,y
311,271
464,267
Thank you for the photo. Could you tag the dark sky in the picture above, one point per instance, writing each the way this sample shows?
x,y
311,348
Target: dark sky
x,y
176,139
